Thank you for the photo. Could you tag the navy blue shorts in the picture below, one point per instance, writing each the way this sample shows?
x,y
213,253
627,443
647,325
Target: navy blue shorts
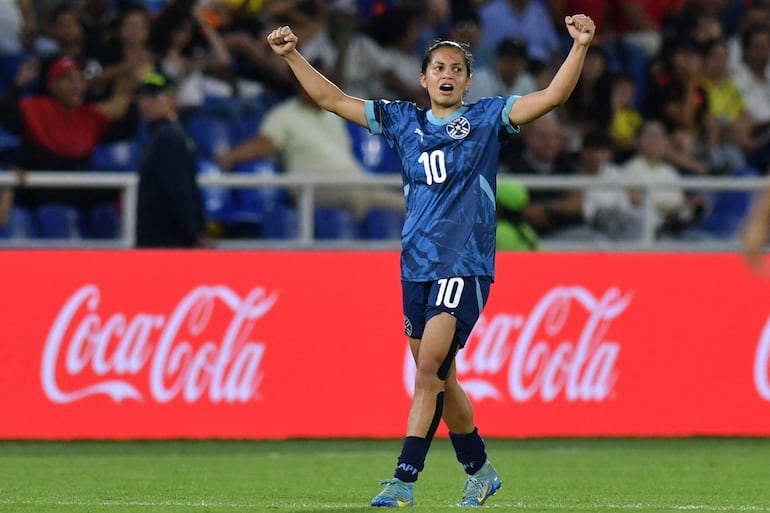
x,y
463,297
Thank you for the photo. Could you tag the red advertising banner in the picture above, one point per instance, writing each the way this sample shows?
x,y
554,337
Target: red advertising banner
x,y
281,344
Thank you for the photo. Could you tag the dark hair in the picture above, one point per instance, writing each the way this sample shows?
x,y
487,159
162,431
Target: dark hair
x,y
448,43
59,10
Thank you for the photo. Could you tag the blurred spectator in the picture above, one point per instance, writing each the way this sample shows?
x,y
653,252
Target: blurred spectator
x,y
359,69
513,232
755,14
729,127
169,209
66,32
245,34
465,25
310,141
509,73
59,132
625,119
676,95
753,81
18,26
527,19
606,210
548,210
640,22
397,31
97,19
589,106
130,54
190,52
673,211
698,20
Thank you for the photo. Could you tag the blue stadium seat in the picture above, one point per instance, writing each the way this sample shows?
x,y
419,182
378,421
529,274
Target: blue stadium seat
x,y
282,222
58,221
728,209
212,136
383,223
335,223
104,222
21,225
250,204
117,156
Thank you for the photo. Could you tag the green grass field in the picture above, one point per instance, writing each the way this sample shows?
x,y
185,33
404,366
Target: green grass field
x,y
597,475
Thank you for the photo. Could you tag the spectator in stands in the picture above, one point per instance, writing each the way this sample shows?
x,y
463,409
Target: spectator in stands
x,y
465,25
397,31
640,22
625,117
130,55
311,141
18,26
359,67
190,51
97,18
509,73
673,210
59,131
169,209
729,128
607,210
548,210
527,19
6,198
66,32
589,107
676,96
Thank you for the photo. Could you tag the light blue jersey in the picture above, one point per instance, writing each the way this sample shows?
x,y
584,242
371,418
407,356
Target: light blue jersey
x,y
449,168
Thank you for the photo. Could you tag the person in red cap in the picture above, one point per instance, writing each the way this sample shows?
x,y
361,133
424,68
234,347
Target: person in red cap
x,y
60,131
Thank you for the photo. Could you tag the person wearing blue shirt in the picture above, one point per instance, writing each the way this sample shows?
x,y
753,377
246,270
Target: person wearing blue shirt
x,y
449,158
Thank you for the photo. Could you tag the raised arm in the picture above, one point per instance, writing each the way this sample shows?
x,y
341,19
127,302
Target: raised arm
x,y
531,106
326,94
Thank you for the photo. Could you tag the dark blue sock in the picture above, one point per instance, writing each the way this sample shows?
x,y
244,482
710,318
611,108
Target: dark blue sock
x,y
470,450
412,459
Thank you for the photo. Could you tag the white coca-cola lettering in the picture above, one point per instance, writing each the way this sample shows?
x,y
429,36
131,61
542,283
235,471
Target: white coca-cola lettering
x,y
762,363
117,348
543,360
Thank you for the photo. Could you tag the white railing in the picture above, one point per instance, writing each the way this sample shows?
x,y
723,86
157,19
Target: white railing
x,y
128,183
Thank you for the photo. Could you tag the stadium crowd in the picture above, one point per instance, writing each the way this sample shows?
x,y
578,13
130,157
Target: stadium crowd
x,y
670,88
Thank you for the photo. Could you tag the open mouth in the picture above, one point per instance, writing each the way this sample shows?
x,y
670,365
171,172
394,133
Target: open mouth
x,y
447,88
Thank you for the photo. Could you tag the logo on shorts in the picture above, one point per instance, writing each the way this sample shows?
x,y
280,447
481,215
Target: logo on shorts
x,y
458,128
407,326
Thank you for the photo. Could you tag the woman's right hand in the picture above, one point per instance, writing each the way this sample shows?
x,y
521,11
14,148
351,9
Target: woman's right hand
x,y
282,40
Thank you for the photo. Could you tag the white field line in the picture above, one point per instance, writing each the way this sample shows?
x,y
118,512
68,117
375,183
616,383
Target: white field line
x,y
333,506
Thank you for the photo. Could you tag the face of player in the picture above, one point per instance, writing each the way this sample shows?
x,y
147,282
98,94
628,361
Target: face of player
x,y
446,80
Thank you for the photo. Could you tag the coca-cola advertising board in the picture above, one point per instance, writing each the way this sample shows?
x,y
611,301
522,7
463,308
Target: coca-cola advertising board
x,y
281,344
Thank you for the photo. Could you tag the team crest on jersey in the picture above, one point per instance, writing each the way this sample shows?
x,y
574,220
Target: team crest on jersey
x,y
458,128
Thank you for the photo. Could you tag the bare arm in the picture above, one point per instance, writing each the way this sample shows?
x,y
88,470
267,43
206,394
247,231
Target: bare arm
x,y
532,106
254,148
326,94
755,231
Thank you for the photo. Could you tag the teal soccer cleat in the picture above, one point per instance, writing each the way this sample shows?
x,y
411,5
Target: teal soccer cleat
x,y
481,486
396,494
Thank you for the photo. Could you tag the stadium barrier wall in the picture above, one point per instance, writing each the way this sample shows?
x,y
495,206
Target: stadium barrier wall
x,y
110,344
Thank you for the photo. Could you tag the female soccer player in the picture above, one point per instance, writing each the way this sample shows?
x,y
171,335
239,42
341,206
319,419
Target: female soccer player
x,y
449,157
